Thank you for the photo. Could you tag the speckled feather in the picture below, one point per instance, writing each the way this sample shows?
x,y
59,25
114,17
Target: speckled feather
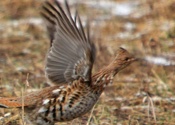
x,y
66,102
65,64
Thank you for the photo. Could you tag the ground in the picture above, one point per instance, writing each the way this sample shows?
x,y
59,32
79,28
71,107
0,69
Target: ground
x,y
141,94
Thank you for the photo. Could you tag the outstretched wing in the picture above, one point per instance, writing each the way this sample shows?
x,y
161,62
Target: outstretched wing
x,y
71,55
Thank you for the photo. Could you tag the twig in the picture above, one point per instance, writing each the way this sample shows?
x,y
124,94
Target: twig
x,y
164,85
153,109
22,94
89,119
150,107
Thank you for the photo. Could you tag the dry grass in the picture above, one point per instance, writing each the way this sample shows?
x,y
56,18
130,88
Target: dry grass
x,y
141,94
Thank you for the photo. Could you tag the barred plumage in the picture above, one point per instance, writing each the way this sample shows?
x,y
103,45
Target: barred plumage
x,y
69,66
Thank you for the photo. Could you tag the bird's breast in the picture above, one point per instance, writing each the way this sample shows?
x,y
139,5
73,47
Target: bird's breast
x,y
68,104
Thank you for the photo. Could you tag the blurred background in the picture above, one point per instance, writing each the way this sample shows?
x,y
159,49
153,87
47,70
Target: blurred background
x,y
143,93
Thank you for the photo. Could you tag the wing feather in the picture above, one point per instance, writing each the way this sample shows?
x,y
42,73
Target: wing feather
x,y
72,54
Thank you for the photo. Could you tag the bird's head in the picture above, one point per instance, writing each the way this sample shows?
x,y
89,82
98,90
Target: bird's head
x,y
122,59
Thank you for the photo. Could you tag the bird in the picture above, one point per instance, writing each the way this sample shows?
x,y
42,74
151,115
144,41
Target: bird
x,y
68,67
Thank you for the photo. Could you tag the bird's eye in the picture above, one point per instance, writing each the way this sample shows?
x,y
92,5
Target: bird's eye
x,y
127,58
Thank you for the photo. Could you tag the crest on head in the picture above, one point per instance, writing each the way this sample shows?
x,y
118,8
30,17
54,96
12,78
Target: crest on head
x,y
122,59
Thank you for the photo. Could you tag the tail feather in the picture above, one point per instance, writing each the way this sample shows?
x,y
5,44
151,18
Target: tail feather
x,y
10,102
29,99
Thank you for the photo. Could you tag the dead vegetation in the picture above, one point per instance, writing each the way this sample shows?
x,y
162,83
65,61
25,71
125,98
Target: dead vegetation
x,y
141,94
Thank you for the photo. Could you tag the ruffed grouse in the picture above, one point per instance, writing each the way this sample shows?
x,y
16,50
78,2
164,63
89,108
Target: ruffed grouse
x,y
68,65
